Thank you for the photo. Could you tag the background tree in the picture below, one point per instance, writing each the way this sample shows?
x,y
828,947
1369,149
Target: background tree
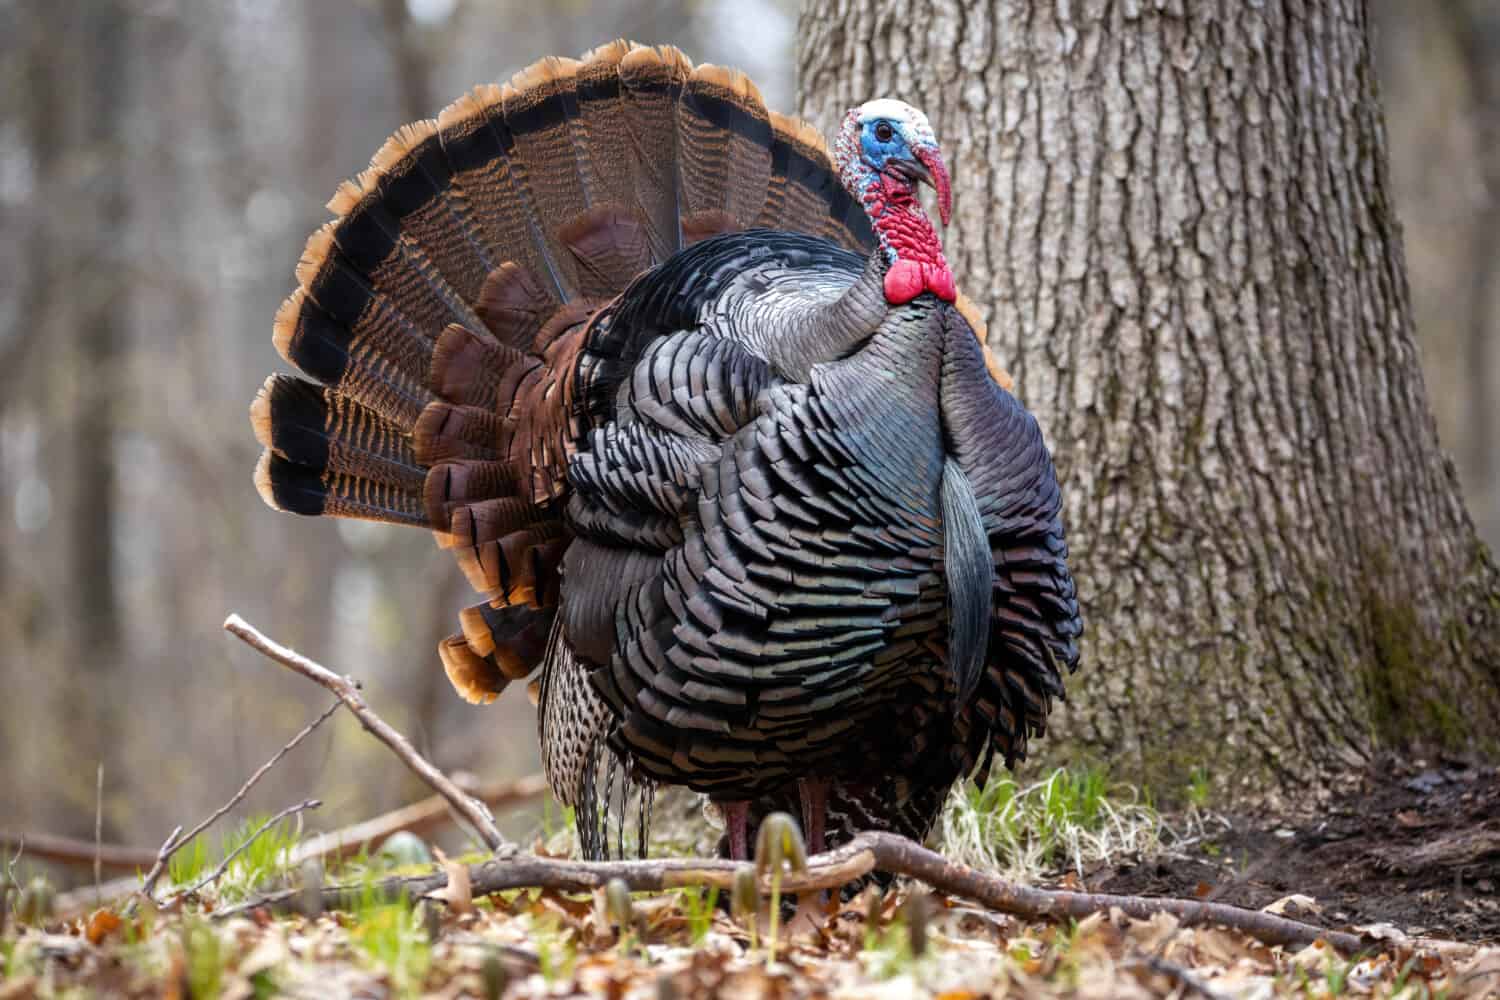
x,y
1178,217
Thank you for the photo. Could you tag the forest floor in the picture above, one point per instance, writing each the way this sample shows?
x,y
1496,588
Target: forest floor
x,y
1399,853
1415,844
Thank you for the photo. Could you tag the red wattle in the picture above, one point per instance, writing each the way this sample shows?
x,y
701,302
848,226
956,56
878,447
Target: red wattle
x,y
903,282
909,278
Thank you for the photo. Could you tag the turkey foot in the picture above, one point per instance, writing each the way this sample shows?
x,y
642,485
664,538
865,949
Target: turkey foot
x,y
814,792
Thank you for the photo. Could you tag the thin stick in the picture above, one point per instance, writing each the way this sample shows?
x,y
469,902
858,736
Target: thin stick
x,y
214,875
1177,974
347,691
865,853
176,840
163,855
99,834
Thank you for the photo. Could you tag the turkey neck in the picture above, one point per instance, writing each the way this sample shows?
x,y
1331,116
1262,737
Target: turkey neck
x,y
834,330
908,243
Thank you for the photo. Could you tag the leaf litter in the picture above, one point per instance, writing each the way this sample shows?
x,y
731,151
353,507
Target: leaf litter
x,y
546,944
901,943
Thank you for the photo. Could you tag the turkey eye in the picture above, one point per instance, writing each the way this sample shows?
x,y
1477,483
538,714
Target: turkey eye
x,y
884,132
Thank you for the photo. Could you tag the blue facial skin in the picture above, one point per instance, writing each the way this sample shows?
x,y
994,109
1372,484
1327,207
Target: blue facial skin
x,y
878,153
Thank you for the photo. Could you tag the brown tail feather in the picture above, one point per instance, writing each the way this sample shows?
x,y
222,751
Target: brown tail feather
x,y
447,432
471,370
514,304
497,646
652,81
492,187
610,246
725,135
406,194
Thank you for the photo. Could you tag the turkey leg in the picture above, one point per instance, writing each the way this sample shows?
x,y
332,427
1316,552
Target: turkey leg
x,y
736,817
814,792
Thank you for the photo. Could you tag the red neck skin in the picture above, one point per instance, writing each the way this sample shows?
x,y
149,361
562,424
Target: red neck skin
x,y
909,241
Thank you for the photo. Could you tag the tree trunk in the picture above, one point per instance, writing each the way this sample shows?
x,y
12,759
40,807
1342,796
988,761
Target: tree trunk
x,y
1176,218
1476,25
83,305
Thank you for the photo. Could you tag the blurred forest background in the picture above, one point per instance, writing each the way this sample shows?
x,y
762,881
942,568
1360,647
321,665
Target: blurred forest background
x,y
161,163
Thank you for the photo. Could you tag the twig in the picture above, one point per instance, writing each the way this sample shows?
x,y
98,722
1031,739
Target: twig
x,y
214,875
865,853
163,855
99,834
176,839
347,690
1185,978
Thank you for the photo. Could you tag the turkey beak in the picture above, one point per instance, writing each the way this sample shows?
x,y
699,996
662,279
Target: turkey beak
x,y
928,168
937,175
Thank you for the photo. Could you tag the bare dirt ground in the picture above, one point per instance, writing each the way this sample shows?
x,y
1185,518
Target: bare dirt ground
x,y
1416,845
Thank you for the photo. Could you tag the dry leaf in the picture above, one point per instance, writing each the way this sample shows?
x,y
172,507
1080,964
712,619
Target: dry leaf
x,y
1314,956
269,952
1295,905
1481,977
458,893
19,988
102,923
1410,819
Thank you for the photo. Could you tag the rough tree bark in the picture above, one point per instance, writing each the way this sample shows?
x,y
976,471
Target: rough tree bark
x,y
1176,216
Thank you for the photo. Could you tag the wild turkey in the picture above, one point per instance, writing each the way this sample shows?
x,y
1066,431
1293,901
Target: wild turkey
x,y
723,457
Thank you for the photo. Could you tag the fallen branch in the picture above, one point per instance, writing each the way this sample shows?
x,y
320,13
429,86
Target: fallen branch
x,y
865,853
74,851
420,817
904,857
347,690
